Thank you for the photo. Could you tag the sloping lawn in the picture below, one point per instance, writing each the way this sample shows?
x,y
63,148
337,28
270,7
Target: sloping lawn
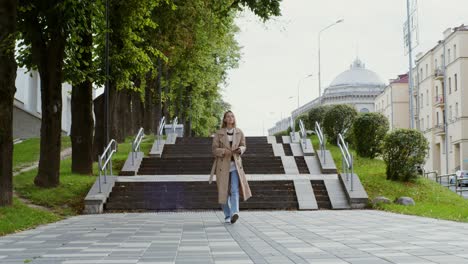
x,y
64,200
27,152
20,217
432,200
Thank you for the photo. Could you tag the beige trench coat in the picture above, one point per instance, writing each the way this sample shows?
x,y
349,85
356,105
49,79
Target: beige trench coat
x,y
222,163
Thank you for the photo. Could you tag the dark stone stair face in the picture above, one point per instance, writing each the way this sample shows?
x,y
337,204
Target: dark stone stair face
x,y
302,165
151,196
321,194
279,139
202,165
287,150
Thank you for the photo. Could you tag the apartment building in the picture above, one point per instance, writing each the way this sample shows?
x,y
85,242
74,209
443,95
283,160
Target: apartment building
x,y
393,102
440,97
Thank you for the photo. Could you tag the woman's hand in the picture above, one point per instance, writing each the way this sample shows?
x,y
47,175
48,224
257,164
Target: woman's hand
x,y
237,151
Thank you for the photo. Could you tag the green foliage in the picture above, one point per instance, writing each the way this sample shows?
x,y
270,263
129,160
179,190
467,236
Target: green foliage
x,y
338,119
317,114
432,199
20,217
282,133
403,150
368,131
27,152
304,119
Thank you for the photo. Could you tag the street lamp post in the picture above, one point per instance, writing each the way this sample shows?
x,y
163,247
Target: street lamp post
x,y
319,79
299,85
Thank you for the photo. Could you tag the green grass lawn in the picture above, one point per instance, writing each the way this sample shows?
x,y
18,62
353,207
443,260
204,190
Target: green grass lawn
x,y
64,200
20,217
67,198
432,200
27,152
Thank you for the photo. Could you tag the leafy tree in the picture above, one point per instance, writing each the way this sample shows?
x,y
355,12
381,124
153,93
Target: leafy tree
x,y
369,130
45,27
403,150
338,119
8,12
317,114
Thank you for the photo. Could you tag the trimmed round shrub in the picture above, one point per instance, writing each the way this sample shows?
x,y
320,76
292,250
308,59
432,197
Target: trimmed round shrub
x,y
317,114
338,119
368,132
403,150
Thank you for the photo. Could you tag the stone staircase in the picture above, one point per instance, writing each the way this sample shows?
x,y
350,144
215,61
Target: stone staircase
x,y
142,196
178,180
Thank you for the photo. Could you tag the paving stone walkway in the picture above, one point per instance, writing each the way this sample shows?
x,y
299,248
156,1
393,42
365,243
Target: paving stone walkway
x,y
281,237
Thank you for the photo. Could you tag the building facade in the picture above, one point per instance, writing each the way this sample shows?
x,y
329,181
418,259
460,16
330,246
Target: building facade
x,y
393,102
356,86
280,126
27,105
440,96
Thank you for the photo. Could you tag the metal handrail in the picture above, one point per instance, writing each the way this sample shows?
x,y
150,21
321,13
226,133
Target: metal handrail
x,y
303,133
322,140
174,124
453,180
162,123
136,144
103,166
426,174
346,157
293,128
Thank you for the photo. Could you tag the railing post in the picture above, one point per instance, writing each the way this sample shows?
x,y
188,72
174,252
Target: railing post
x,y
100,172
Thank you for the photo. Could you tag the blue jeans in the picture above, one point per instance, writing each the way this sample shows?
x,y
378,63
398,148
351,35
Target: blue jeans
x,y
231,206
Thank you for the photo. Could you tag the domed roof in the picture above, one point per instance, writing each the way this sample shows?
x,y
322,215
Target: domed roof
x,y
357,75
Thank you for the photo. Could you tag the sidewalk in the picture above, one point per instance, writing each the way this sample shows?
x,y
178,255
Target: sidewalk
x,y
284,237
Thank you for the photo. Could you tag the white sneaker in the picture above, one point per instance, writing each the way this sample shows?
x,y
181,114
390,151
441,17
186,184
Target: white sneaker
x,y
227,220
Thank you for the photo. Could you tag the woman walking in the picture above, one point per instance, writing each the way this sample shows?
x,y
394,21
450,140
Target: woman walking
x,y
228,146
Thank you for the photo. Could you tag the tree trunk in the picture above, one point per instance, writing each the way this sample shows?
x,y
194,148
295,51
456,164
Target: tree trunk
x,y
82,116
50,70
7,90
148,112
158,97
99,130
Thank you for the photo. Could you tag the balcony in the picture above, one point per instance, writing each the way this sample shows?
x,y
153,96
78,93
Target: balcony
x,y
439,130
439,73
439,101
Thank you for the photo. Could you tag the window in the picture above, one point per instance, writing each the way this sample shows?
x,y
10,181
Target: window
x,y
450,84
455,77
422,100
436,64
451,145
437,119
427,97
427,70
422,124
448,56
450,112
454,51
428,122
421,75
456,110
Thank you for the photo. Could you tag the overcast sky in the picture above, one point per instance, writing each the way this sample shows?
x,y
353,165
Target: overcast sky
x,y
278,54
